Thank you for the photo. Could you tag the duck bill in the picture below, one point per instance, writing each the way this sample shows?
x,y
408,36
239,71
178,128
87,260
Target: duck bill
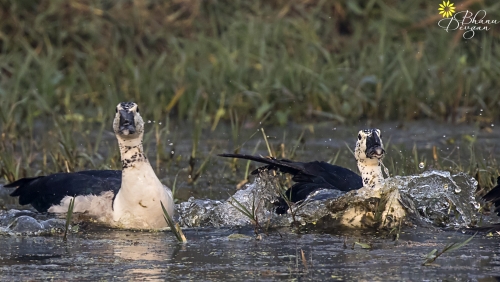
x,y
127,123
374,148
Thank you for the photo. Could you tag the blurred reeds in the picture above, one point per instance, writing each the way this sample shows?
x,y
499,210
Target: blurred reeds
x,y
302,59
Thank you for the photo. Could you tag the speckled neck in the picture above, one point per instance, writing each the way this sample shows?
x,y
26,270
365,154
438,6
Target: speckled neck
x,y
371,172
132,152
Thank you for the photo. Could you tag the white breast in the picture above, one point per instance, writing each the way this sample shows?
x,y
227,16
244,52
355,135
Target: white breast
x,y
137,204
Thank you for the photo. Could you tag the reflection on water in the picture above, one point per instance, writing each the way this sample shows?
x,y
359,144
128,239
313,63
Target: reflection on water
x,y
211,255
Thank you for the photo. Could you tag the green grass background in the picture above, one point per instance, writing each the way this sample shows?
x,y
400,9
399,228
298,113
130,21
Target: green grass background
x,y
338,60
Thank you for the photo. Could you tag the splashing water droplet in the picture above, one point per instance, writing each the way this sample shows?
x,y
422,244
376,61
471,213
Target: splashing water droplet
x,y
421,165
476,205
385,168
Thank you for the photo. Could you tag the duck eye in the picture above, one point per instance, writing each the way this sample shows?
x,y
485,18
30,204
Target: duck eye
x,y
116,109
137,109
359,136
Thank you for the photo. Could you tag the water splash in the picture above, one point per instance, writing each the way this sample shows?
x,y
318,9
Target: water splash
x,y
433,197
442,199
17,222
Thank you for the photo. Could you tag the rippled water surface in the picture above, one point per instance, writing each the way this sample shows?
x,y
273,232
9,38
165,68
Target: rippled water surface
x,y
233,254
211,254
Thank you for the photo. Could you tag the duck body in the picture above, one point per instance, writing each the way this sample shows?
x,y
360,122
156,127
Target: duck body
x,y
493,196
308,177
311,176
141,211
130,198
138,202
43,192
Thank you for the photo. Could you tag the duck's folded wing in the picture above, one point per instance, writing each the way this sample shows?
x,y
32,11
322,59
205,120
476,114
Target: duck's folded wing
x,y
45,191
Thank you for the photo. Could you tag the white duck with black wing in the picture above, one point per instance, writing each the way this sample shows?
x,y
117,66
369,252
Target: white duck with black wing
x,y
126,199
311,176
369,153
138,200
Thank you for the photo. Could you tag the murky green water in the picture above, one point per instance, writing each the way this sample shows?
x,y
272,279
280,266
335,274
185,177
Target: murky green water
x,y
210,255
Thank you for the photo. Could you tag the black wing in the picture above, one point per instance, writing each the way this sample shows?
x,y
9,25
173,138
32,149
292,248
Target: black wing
x,y
309,177
494,197
45,191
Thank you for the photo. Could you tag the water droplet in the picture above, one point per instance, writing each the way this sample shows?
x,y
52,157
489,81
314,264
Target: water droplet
x,y
476,204
421,165
445,187
492,125
444,136
172,152
149,121
171,144
159,123
458,190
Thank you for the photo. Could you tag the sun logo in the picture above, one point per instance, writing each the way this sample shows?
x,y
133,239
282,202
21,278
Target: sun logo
x,y
446,9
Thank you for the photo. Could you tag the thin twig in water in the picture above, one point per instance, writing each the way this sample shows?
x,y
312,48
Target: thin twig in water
x,y
252,215
69,215
176,229
304,260
267,143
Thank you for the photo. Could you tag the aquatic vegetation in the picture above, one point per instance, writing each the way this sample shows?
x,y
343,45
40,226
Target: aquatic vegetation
x,y
434,254
69,216
251,214
174,226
